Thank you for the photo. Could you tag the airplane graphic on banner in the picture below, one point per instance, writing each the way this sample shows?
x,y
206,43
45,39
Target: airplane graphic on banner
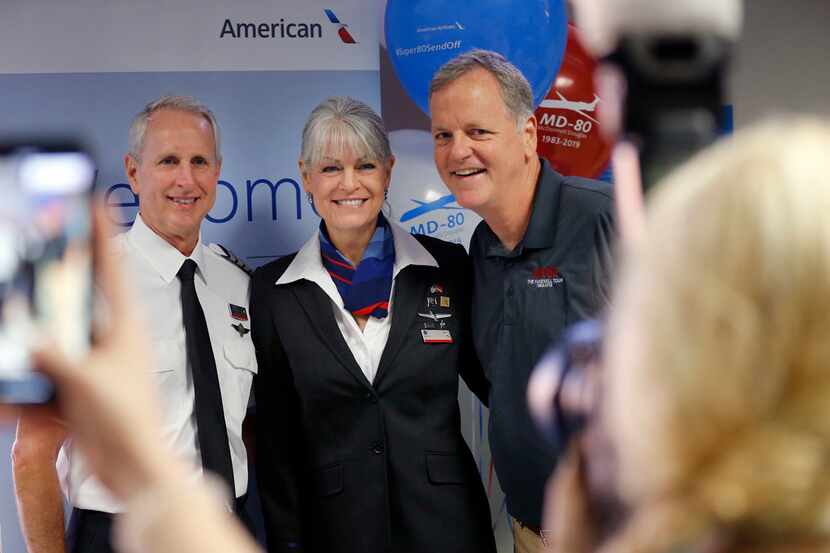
x,y
579,107
425,207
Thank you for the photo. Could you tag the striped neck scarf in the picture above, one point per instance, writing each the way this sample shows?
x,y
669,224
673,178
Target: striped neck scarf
x,y
365,289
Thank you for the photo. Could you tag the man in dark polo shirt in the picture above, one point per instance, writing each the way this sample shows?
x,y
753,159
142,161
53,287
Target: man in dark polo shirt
x,y
542,255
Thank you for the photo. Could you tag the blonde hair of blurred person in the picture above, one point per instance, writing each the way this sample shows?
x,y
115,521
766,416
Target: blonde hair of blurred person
x,y
718,357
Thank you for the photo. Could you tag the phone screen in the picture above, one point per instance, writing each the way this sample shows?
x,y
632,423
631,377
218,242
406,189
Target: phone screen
x,y
45,261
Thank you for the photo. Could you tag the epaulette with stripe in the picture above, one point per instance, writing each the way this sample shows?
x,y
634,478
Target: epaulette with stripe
x,y
225,253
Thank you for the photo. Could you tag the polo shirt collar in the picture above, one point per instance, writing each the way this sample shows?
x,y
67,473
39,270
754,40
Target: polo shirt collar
x,y
163,258
541,230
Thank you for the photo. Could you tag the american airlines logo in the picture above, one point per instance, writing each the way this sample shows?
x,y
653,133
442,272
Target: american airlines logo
x,y
344,34
284,29
448,27
281,29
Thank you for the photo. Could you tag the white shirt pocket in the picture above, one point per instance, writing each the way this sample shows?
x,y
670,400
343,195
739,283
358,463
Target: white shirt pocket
x,y
170,373
239,354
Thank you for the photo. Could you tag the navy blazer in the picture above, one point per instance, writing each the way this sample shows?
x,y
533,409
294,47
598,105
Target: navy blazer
x,y
349,466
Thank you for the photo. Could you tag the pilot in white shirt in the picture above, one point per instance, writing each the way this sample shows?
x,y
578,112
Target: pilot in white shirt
x,y
173,165
222,288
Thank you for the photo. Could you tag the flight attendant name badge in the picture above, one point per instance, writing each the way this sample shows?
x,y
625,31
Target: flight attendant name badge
x,y
435,336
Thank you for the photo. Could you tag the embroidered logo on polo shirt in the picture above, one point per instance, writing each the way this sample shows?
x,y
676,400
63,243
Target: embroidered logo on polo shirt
x,y
545,277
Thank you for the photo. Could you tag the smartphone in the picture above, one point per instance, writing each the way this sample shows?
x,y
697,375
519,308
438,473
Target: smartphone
x,y
45,260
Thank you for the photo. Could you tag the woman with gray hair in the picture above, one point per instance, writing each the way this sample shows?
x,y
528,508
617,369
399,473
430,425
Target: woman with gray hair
x,y
360,338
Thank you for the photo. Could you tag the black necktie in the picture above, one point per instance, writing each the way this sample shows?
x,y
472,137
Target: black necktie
x,y
210,416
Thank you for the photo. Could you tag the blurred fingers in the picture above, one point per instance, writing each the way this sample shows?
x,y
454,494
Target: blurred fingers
x,y
628,192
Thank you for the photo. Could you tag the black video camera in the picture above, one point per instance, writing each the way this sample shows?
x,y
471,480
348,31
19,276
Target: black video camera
x,y
674,101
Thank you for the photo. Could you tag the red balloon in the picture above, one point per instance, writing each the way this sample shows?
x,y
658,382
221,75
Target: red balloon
x,y
568,126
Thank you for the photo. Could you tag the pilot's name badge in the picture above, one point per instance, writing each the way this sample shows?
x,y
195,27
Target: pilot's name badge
x,y
436,336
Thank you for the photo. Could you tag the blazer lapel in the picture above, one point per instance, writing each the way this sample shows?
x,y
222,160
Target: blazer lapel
x,y
319,310
410,292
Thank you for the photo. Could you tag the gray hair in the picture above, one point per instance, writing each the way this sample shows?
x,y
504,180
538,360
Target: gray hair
x,y
138,128
515,90
341,123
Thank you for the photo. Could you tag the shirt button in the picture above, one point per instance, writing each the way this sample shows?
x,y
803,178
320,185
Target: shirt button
x,y
377,449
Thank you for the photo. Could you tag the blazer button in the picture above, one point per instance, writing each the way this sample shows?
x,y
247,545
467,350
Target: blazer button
x,y
371,397
377,449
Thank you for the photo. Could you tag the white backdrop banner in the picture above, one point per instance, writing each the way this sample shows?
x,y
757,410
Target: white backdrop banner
x,y
419,199
55,36
86,67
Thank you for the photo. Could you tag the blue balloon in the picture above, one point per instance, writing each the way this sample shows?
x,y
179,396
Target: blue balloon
x,y
421,35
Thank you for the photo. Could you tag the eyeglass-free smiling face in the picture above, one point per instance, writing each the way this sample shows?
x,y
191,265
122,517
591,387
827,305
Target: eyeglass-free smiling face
x,y
175,176
348,192
479,151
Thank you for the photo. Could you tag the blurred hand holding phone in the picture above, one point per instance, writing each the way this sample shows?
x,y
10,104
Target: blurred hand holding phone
x,y
45,260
